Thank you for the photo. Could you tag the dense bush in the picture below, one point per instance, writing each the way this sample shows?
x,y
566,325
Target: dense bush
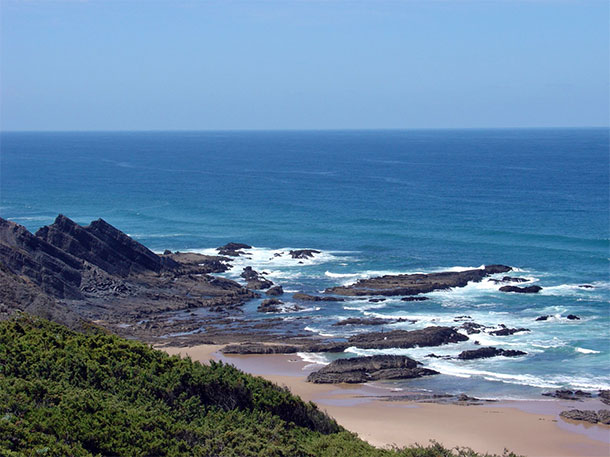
x,y
64,393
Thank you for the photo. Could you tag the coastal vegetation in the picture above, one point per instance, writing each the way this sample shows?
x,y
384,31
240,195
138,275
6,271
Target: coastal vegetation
x,y
67,393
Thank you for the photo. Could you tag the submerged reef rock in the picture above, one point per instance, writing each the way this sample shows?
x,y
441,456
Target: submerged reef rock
x,y
233,249
413,284
271,305
487,352
363,321
505,331
364,369
303,253
506,279
307,297
521,290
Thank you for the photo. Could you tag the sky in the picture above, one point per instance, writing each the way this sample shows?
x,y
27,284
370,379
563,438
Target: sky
x,y
333,64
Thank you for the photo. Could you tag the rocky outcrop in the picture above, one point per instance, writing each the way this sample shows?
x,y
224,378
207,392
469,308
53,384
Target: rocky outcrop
x,y
506,279
104,246
604,396
414,298
487,352
271,305
571,317
364,369
413,284
505,331
275,291
307,297
193,263
303,253
56,272
19,294
363,321
430,336
232,249
259,284
602,416
521,290
255,280
70,273
472,327
565,394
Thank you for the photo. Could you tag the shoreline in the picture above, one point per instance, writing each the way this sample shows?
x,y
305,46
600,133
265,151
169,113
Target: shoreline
x,y
530,428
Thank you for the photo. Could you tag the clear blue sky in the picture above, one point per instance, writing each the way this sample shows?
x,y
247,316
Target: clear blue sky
x,y
141,65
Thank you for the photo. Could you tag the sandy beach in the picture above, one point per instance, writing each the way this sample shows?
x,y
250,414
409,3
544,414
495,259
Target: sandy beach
x,y
531,428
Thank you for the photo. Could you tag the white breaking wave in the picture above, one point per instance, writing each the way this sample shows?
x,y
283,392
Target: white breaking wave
x,y
586,351
313,358
320,332
273,261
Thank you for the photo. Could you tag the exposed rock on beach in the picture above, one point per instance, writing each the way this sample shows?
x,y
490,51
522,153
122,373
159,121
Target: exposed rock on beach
x,y
363,369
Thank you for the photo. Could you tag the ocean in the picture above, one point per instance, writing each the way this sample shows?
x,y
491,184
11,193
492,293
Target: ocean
x,y
373,202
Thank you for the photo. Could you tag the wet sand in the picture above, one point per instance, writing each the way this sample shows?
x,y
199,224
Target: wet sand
x,y
531,428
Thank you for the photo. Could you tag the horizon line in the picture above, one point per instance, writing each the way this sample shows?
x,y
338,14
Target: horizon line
x,y
346,129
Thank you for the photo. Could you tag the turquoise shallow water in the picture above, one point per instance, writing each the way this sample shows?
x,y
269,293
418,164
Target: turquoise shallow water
x,y
373,202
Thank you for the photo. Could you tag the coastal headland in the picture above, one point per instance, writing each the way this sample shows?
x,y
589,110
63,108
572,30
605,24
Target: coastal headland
x,y
181,303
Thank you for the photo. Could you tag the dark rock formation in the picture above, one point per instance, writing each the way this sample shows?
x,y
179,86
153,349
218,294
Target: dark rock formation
x,y
487,352
19,294
259,284
505,331
363,321
71,274
521,290
303,253
543,318
586,286
376,300
413,284
255,280
56,272
233,249
604,396
572,317
472,327
259,348
414,298
271,305
565,394
363,369
275,291
602,416
104,246
506,279
307,297
430,336
248,274
193,263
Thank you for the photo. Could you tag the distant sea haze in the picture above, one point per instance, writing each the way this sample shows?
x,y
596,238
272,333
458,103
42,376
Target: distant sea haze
x,y
373,202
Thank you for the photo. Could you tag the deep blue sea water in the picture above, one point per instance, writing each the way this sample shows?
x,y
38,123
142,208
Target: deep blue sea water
x,y
373,202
